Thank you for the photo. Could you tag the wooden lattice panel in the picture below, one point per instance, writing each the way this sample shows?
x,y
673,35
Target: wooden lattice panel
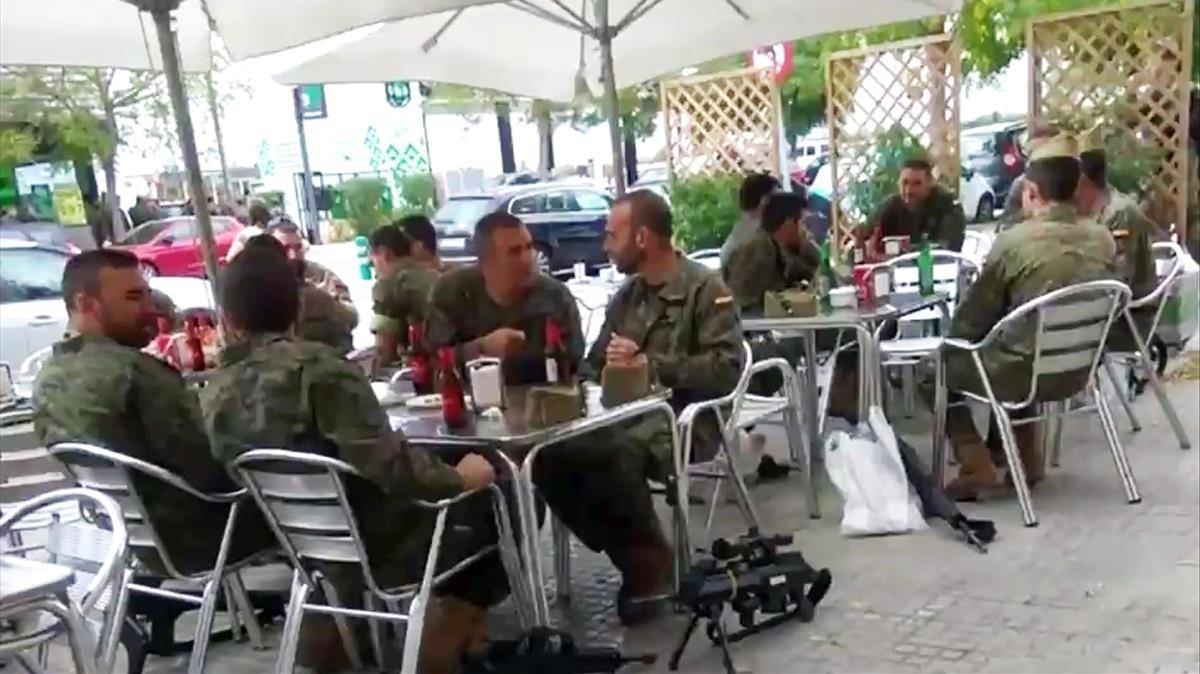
x,y
1126,70
722,123
874,97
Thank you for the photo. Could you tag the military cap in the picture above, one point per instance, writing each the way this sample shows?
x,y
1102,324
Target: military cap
x,y
1054,147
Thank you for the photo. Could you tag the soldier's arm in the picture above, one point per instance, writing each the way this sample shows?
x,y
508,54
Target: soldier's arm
x,y
387,320
572,327
745,277
713,369
613,313
173,428
806,262
986,301
349,416
953,227
1139,256
446,302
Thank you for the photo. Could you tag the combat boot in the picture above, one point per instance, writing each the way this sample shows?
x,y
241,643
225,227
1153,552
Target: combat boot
x,y
645,568
453,628
976,474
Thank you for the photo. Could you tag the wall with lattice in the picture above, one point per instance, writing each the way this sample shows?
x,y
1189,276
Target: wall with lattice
x,y
1124,71
884,103
722,123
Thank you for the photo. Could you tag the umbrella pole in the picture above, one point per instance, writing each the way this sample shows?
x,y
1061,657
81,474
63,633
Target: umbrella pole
x,y
611,101
187,142
311,221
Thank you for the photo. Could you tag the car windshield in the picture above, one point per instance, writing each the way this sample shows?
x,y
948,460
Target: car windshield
x,y
462,212
144,233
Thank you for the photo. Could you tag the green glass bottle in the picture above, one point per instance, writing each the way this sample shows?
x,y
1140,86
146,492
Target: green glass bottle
x,y
823,283
925,269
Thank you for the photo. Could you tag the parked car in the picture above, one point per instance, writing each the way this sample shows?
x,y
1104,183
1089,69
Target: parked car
x,y
566,221
38,231
997,153
170,247
32,313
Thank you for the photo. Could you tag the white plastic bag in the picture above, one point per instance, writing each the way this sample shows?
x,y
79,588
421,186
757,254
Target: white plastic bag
x,y
866,469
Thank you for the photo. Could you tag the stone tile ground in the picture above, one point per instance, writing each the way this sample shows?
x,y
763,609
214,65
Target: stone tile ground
x,y
1099,586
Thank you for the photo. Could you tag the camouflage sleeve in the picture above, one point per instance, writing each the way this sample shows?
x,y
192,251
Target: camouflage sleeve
x,y
747,277
388,306
173,427
713,369
1132,232
953,227
985,302
349,416
445,300
1013,207
804,264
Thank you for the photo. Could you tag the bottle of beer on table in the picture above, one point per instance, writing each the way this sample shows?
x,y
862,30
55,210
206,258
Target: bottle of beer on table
x,y
422,369
823,283
925,269
454,404
558,365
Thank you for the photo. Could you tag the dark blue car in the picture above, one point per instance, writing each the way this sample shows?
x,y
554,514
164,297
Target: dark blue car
x,y
566,221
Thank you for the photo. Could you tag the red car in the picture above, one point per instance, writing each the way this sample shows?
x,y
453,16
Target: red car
x,y
171,247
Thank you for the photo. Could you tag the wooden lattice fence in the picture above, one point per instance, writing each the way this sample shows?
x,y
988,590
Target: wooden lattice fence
x,y
722,123
884,102
1124,71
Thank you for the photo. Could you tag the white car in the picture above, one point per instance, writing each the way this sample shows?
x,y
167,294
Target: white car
x,y
976,196
32,313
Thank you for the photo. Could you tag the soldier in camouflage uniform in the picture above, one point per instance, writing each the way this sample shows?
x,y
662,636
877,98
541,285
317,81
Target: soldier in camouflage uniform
x,y
401,293
752,198
1051,250
99,388
778,256
274,390
921,210
1132,231
328,314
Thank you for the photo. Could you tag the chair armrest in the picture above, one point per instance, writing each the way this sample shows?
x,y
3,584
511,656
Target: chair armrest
x,y
960,344
453,500
688,415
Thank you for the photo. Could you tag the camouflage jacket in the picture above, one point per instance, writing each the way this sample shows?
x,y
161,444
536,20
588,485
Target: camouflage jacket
x,y
95,391
328,318
940,219
461,311
1133,233
275,391
743,230
1035,257
1014,207
401,298
760,264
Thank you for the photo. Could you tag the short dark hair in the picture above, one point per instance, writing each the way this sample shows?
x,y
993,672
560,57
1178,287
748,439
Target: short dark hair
x,y
389,237
283,224
650,211
1094,165
781,207
260,291
265,242
755,188
918,164
1056,177
259,214
490,223
82,273
419,229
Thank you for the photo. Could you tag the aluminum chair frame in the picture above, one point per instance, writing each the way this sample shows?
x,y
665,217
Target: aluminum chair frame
x,y
112,477
1140,356
907,353
305,581
111,579
1116,295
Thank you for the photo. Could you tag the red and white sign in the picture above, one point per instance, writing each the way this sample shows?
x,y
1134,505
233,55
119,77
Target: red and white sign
x,y
778,57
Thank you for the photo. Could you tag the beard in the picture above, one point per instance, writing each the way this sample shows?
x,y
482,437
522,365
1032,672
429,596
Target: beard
x,y
628,261
135,336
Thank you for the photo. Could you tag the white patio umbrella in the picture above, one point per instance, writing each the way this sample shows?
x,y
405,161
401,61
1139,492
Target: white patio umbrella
x,y
134,34
548,48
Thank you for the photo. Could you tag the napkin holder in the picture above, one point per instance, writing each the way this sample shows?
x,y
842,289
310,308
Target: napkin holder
x,y
796,303
623,383
551,405
487,383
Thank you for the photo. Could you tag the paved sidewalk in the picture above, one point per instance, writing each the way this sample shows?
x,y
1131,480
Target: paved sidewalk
x,y
1099,586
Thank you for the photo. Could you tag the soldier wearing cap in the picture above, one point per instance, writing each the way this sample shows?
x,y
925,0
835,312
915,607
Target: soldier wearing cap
x,y
401,294
1052,249
921,209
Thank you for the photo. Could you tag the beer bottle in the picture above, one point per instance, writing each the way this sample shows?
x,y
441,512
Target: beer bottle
x,y
454,404
558,365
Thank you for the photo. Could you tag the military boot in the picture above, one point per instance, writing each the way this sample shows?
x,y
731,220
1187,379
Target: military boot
x,y
645,567
976,474
453,628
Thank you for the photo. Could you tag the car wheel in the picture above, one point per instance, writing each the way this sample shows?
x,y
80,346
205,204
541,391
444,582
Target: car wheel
x,y
986,209
541,256
148,270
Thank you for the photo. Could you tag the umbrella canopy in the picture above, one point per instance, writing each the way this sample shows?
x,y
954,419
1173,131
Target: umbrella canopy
x,y
535,48
257,27
97,34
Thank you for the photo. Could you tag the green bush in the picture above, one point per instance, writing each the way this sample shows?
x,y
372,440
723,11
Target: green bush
x,y
418,194
364,204
705,210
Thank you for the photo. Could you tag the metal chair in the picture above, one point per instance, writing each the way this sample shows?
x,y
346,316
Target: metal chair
x,y
33,363
953,273
739,410
304,499
1173,257
1070,330
110,473
709,257
102,596
976,246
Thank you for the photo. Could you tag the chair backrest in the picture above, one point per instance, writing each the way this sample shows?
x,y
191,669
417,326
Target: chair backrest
x,y
33,362
952,272
304,500
1070,328
110,473
1169,265
976,246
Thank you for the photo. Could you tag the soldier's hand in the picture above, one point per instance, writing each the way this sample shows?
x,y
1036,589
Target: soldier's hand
x,y
476,472
502,343
621,350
